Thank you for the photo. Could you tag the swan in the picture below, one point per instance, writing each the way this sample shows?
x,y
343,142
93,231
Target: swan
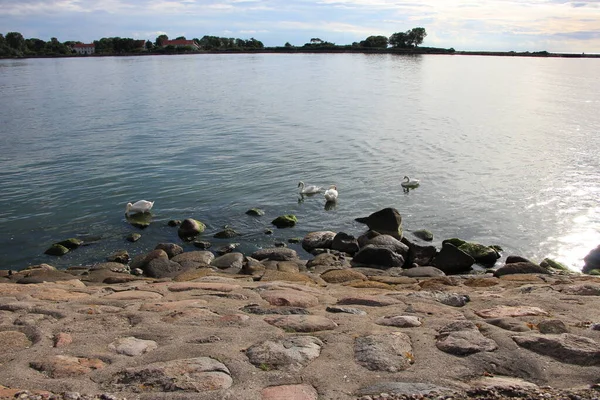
x,y
310,189
141,206
409,183
331,194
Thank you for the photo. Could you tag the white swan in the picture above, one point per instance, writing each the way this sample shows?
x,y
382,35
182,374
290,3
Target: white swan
x,y
141,206
310,189
331,194
410,183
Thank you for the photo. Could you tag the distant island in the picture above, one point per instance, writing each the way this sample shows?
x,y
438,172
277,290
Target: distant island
x,y
14,45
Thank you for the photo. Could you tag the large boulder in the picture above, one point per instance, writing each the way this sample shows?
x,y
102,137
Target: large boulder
x,y
592,261
378,257
275,254
419,251
451,260
190,228
389,242
171,249
387,221
345,243
318,240
484,255
520,268
162,268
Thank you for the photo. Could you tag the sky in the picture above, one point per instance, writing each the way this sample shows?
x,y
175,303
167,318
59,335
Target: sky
x,y
469,25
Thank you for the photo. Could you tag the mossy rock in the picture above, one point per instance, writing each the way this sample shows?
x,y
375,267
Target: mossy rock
x,y
71,243
497,248
456,242
549,263
424,234
255,212
595,272
139,220
295,240
482,254
57,250
268,231
285,221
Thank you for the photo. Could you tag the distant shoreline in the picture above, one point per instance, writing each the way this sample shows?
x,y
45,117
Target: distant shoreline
x,y
303,50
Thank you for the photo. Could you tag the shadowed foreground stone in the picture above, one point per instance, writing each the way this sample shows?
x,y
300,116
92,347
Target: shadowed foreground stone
x,y
388,352
289,353
188,375
566,348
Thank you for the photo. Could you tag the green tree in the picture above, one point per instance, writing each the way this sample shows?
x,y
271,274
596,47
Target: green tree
x,y
149,45
180,38
16,41
160,39
288,45
410,38
416,36
375,41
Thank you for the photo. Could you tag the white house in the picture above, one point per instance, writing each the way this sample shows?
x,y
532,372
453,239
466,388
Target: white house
x,y
81,48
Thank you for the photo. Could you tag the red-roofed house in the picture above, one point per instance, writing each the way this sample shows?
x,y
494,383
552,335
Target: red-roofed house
x,y
180,43
81,48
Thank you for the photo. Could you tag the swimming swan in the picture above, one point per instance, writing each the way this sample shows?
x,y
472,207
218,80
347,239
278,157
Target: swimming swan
x,y
331,194
410,183
141,206
310,189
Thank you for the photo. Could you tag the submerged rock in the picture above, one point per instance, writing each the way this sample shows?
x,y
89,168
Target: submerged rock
x,y
56,250
256,212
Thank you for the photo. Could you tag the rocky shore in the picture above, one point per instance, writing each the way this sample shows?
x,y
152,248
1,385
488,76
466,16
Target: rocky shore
x,y
382,316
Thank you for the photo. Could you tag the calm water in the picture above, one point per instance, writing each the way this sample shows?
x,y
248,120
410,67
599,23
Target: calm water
x,y
506,149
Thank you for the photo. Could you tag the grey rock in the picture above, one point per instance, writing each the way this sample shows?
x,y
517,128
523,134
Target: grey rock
x,y
390,242
230,260
384,352
566,347
318,240
345,243
463,338
275,254
520,268
202,257
509,324
377,257
171,249
182,375
162,268
552,326
290,353
345,310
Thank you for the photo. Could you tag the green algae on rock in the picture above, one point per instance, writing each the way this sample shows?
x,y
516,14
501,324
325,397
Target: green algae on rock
x,y
285,221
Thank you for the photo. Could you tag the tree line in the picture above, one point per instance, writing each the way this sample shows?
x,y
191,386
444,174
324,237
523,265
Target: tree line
x,y
13,44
